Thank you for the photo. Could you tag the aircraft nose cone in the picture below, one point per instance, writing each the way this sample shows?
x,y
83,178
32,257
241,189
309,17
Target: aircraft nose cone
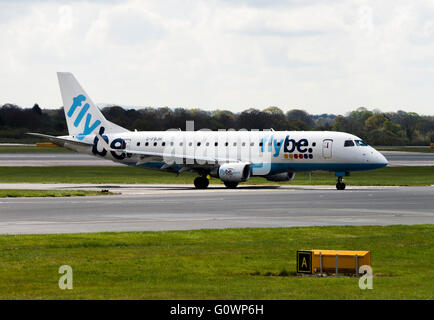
x,y
381,159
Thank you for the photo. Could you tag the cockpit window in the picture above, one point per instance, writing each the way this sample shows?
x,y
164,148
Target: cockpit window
x,y
349,143
361,143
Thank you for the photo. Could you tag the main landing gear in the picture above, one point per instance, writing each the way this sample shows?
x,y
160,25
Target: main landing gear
x,y
201,182
340,185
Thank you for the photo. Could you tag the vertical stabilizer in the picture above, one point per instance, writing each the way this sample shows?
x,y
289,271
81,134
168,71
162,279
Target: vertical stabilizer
x,y
82,116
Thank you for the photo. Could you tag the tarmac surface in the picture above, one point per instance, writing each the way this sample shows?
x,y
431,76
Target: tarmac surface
x,y
395,158
181,207
402,159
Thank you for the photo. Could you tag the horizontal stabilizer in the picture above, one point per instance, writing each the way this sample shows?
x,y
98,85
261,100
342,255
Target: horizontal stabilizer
x,y
59,140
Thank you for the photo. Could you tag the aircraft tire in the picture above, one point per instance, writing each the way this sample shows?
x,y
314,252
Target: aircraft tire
x,y
231,184
340,186
201,183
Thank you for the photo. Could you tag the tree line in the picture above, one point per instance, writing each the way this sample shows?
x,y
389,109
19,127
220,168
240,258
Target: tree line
x,y
373,126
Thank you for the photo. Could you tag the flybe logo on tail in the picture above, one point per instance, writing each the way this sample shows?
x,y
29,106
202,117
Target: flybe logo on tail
x,y
88,128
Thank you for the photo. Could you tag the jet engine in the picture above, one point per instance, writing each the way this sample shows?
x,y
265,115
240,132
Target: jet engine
x,y
283,176
233,172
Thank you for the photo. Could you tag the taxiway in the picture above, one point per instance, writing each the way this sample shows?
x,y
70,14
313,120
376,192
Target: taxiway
x,y
181,207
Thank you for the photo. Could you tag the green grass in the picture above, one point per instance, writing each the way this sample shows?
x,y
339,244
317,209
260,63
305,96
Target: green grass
x,y
389,176
31,149
14,193
215,264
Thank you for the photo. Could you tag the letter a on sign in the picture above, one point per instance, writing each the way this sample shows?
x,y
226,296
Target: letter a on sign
x,y
304,261
304,264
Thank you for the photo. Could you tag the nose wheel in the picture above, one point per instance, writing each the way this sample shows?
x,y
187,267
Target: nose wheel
x,y
340,185
231,184
201,183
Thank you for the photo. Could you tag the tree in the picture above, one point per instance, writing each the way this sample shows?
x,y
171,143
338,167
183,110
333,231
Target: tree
x,y
116,115
425,124
276,118
252,119
408,121
223,119
360,114
382,137
300,115
344,124
375,121
394,128
200,117
36,109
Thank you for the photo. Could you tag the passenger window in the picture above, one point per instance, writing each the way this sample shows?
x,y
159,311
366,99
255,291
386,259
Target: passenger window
x,y
138,144
235,144
252,144
198,144
226,144
260,144
216,144
349,143
163,144
146,144
155,144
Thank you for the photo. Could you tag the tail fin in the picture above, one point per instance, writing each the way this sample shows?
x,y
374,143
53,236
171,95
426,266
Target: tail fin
x,y
82,116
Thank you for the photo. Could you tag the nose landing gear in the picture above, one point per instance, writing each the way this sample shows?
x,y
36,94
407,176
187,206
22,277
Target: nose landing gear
x,y
231,184
340,185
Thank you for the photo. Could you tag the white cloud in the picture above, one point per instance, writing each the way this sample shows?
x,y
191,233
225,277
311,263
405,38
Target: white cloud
x,y
329,57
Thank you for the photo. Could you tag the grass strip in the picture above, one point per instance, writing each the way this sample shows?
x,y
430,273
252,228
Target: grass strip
x,y
32,149
389,176
215,264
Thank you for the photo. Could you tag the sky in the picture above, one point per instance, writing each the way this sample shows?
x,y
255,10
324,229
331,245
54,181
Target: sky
x,y
321,56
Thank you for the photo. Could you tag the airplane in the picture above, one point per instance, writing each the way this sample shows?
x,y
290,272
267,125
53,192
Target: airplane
x,y
229,155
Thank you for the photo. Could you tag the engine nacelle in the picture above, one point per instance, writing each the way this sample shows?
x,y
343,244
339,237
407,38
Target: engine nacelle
x,y
283,176
234,172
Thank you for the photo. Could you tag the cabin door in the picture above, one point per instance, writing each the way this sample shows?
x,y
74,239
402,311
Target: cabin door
x,y
327,145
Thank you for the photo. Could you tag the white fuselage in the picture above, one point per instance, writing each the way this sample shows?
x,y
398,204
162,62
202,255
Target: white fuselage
x,y
268,152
